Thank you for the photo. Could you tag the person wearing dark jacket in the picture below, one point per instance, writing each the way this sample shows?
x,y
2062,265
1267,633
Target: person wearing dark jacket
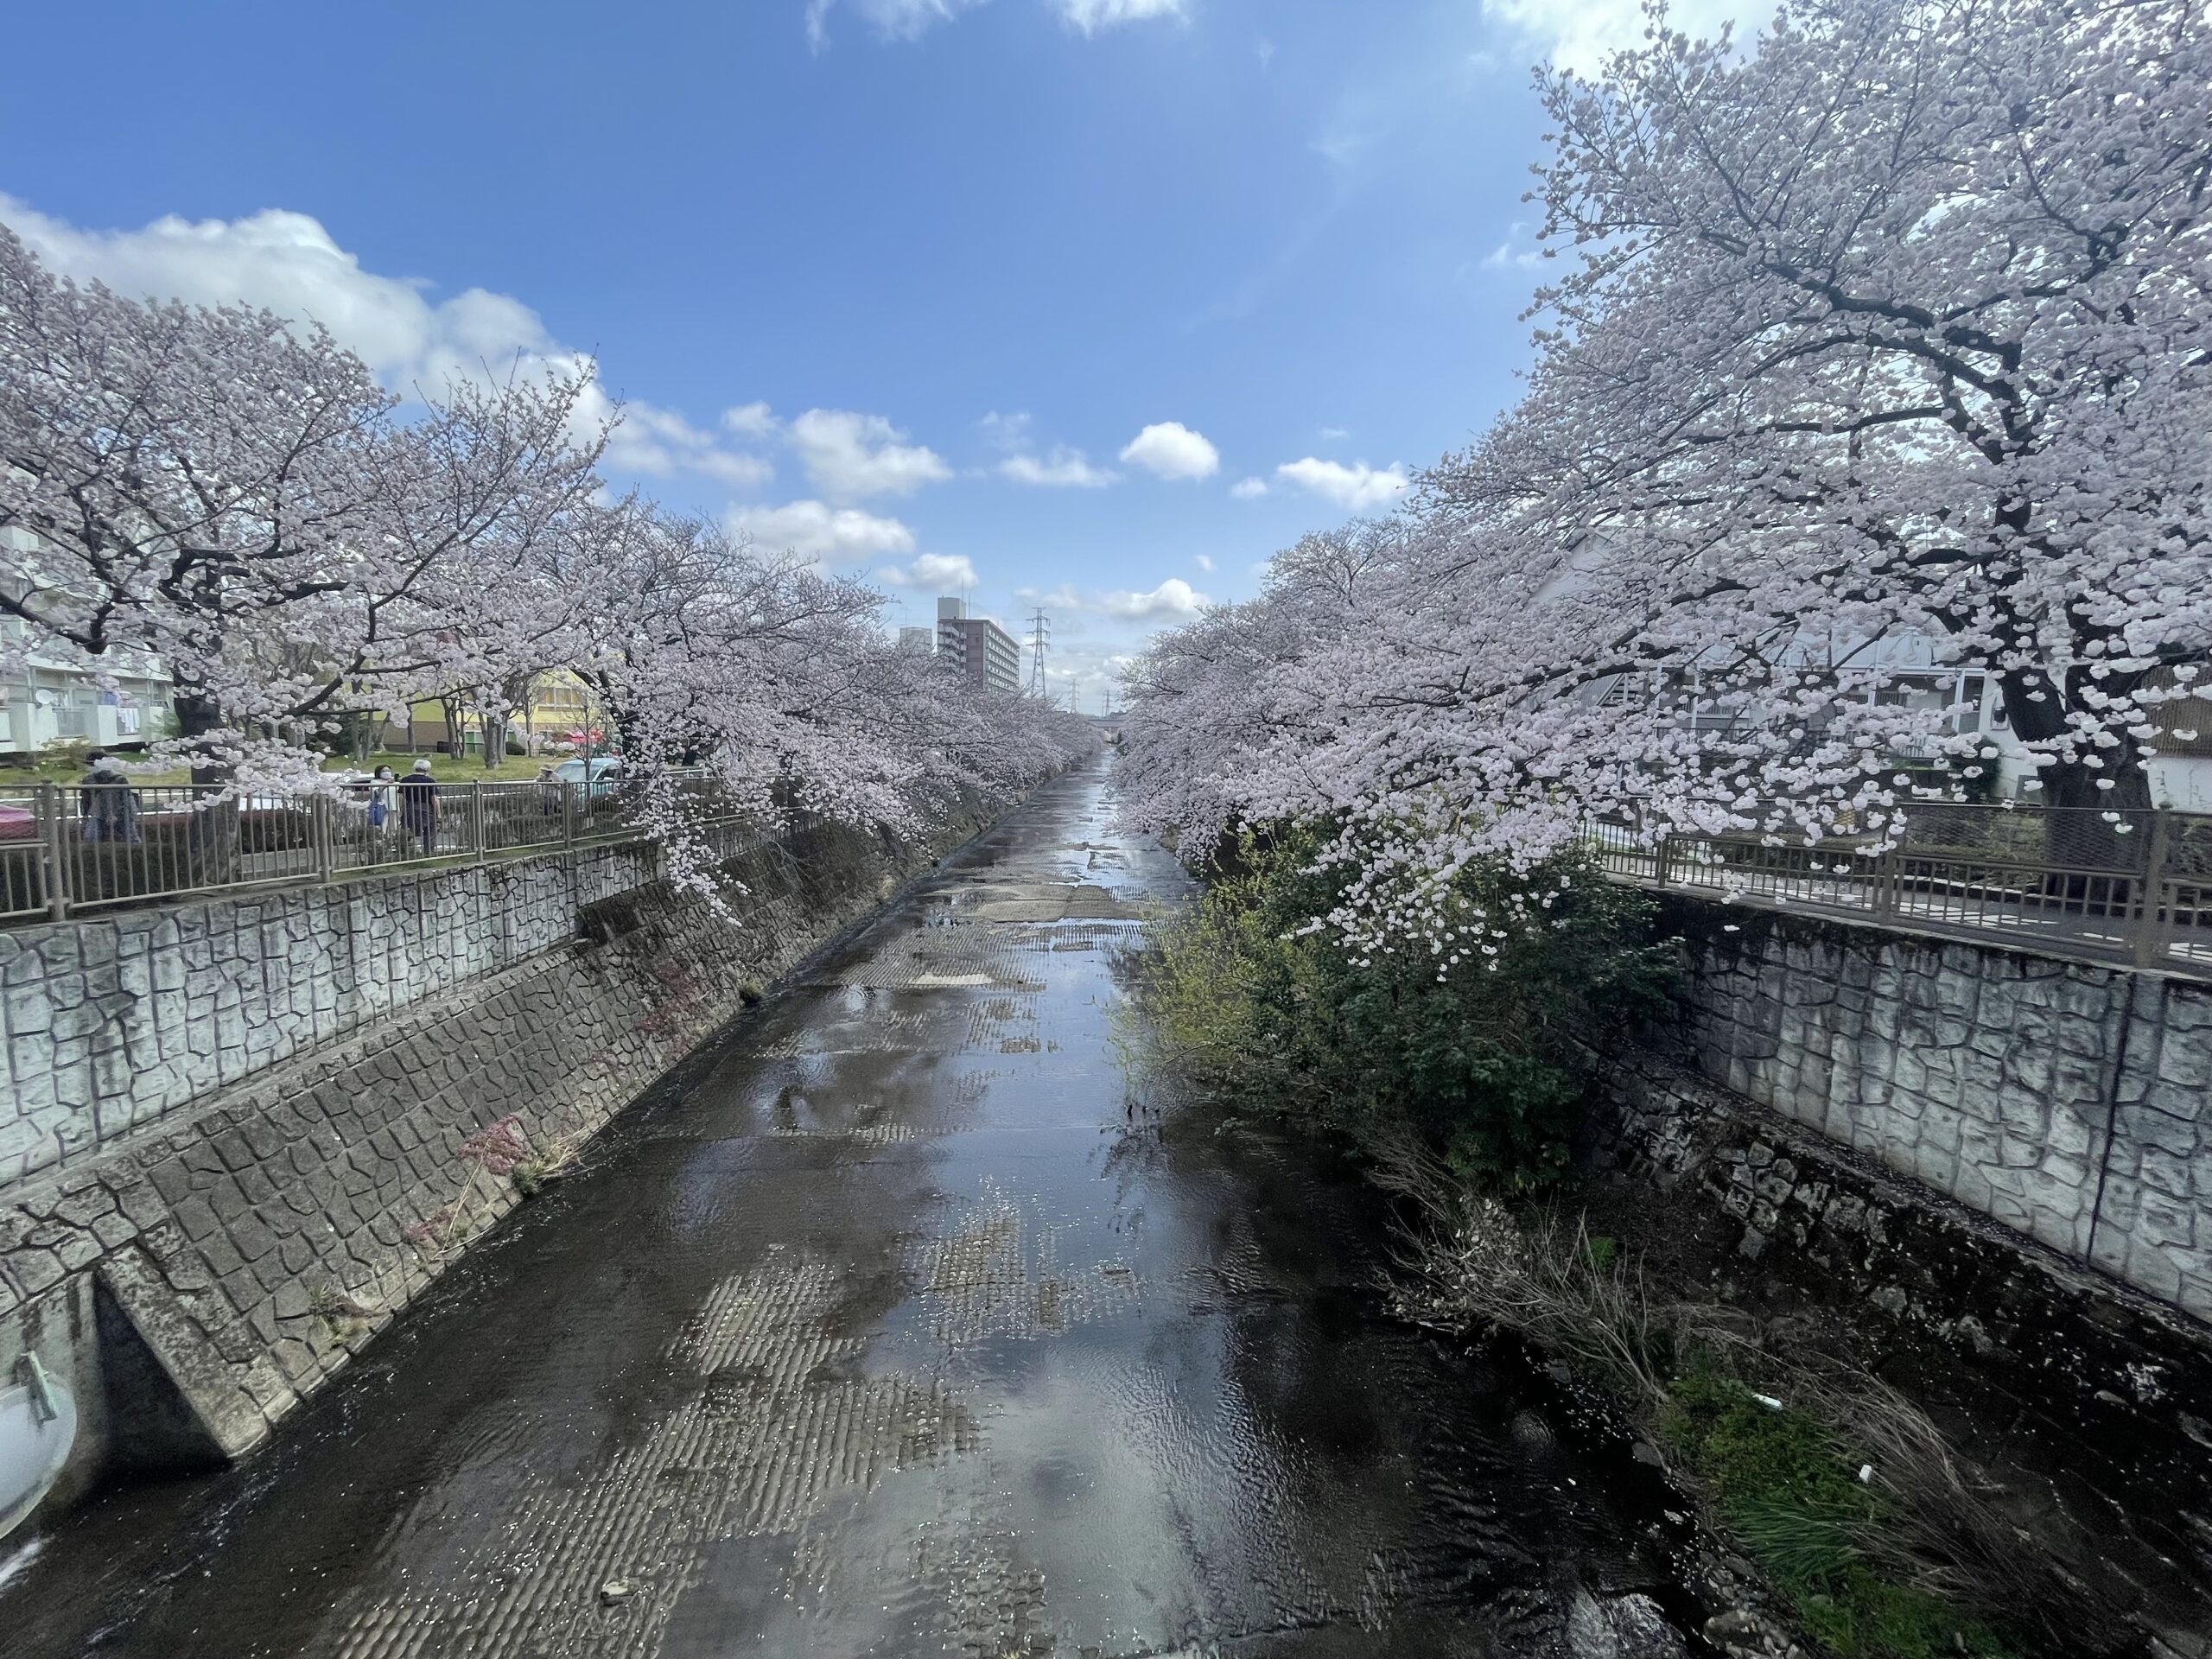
x,y
93,762
110,805
418,805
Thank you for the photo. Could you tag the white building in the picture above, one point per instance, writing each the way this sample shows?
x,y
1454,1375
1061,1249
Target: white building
x,y
981,650
45,700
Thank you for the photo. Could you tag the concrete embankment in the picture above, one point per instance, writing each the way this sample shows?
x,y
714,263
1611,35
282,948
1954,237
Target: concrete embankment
x,y
244,1134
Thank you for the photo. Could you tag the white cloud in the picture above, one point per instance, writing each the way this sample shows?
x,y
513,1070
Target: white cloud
x,y
1246,489
1356,488
850,456
1062,598
939,570
658,442
1580,35
1201,561
1091,16
1342,146
1515,251
891,20
291,264
1335,434
1062,468
1171,449
818,531
909,20
1006,431
1173,597
750,421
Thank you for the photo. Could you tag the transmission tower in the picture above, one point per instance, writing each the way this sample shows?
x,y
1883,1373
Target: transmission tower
x,y
1040,635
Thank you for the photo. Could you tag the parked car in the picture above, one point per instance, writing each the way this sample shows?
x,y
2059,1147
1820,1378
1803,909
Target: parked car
x,y
605,772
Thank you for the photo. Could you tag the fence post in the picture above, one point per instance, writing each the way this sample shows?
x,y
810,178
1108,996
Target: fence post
x,y
1888,880
2149,942
476,815
50,849
319,822
567,815
1659,861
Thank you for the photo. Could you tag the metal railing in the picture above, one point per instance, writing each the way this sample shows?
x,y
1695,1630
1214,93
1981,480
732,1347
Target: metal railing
x,y
2133,887
71,848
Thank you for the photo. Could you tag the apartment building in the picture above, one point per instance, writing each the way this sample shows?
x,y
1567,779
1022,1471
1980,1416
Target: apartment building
x,y
45,700
978,649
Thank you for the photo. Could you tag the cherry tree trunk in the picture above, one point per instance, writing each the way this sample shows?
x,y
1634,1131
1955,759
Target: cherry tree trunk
x,y
209,837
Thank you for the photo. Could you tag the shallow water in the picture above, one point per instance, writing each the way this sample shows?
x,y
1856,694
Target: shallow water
x,y
896,1328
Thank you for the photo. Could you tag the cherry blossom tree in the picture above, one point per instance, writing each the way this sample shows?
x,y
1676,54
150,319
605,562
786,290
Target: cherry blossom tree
x,y
1900,325
1889,341
240,499
780,683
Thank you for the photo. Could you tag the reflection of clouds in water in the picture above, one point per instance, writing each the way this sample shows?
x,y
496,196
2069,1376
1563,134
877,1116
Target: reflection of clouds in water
x,y
14,1563
1131,1503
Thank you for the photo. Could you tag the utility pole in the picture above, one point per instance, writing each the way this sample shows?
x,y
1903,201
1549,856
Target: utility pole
x,y
1040,635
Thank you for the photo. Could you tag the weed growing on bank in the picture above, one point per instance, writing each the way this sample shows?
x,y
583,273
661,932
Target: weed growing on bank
x,y
1787,1486
1882,1542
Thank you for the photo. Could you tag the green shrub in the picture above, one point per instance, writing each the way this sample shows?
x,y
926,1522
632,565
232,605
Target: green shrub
x,y
1251,997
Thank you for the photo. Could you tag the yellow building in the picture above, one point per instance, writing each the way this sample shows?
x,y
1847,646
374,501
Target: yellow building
x,y
559,704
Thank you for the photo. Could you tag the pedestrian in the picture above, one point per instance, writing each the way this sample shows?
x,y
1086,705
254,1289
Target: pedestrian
x,y
418,806
111,806
93,761
383,797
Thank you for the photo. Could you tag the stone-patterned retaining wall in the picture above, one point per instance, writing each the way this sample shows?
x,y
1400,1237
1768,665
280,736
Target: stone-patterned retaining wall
x,y
193,1281
113,1021
2071,1103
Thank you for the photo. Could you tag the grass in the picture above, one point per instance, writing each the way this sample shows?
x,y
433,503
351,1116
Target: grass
x,y
1786,1485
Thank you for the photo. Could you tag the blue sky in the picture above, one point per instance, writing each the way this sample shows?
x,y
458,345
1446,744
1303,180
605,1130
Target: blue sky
x,y
1099,300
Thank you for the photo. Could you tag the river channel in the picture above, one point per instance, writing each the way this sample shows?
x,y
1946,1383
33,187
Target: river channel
x,y
896,1325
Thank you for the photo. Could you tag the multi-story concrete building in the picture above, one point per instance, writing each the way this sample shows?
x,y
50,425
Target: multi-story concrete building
x,y
45,700
984,653
917,642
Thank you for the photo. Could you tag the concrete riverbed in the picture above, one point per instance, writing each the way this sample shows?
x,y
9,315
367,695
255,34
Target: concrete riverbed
x,y
896,1328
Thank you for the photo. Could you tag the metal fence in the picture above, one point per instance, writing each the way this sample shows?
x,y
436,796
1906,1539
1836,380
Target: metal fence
x,y
69,848
2132,887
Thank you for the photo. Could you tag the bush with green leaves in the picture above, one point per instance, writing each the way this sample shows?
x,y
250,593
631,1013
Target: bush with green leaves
x,y
1256,999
